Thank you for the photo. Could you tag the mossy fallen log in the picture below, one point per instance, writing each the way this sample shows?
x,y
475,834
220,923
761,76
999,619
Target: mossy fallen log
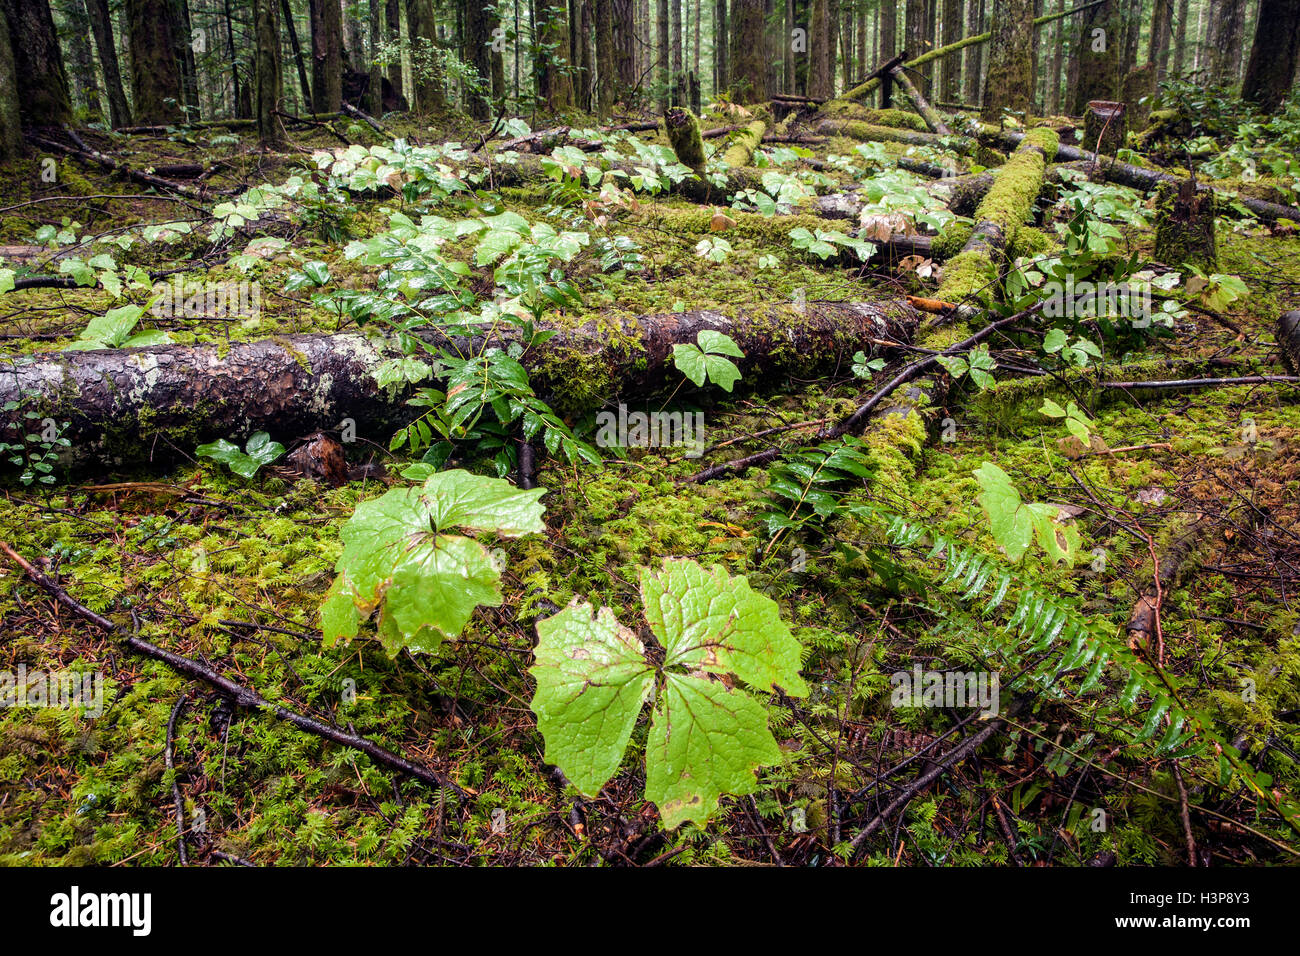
x,y
125,406
741,149
998,220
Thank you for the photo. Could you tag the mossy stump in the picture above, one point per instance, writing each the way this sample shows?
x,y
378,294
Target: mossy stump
x,y
1185,226
1105,127
684,136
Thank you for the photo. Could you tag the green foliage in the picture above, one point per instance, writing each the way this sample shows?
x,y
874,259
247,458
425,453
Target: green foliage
x,y
36,453
807,485
112,330
397,553
822,243
704,361
259,451
707,737
1077,422
978,363
1015,524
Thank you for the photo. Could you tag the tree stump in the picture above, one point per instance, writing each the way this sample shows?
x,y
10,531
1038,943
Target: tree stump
x,y
684,136
1105,127
1185,226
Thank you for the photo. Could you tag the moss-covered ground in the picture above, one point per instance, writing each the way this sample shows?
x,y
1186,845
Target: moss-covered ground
x,y
232,572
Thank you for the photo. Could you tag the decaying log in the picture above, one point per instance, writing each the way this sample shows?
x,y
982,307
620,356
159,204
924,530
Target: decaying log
x,y
685,139
135,405
1288,340
928,112
97,158
998,219
742,148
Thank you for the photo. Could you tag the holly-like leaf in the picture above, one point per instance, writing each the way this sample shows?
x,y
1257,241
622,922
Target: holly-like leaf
x,y
396,553
707,737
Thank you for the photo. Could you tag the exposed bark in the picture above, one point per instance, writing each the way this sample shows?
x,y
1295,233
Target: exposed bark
x,y
1227,32
1273,55
821,60
11,140
721,41
327,55
270,131
41,81
427,78
393,21
556,83
101,27
749,67
286,17
1009,84
478,34
81,62
134,405
1288,340
1099,57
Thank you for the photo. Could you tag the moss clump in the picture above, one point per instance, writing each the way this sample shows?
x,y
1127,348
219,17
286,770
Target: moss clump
x,y
742,147
968,274
951,239
989,157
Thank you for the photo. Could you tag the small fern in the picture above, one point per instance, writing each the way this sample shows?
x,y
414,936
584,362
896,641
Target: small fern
x,y
1051,640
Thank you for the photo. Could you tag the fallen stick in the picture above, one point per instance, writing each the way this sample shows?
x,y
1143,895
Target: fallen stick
x,y
928,112
237,694
98,158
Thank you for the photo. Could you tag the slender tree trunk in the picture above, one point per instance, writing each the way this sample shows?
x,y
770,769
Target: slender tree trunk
x,y
1180,37
664,55
478,36
675,25
819,80
11,140
1273,56
81,61
183,33
1098,57
286,15
624,75
1009,84
974,54
327,55
585,60
888,38
270,131
605,70
695,52
1161,30
721,39
352,52
1052,105
393,21
155,76
102,27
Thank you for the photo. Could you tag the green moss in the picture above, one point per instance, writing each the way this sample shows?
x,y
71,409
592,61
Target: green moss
x,y
967,275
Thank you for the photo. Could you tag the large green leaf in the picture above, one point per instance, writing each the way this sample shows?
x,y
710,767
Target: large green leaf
x,y
592,679
1014,524
707,738
396,553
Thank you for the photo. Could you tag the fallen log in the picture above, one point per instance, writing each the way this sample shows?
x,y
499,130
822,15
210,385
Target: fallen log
x,y
742,148
95,157
928,112
137,405
998,220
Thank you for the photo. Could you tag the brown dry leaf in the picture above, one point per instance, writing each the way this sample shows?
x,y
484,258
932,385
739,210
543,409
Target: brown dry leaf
x,y
880,226
720,222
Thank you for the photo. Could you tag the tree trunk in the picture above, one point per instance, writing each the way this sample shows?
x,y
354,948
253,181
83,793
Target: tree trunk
x,y
974,54
1162,12
888,36
81,62
243,101
1098,58
1010,78
155,76
605,69
749,67
270,131
421,27
1272,65
327,55
375,97
557,85
675,25
121,402
478,36
11,140
819,54
393,21
664,55
102,28
721,38
950,91
624,73
183,36
1227,29
1180,37
286,15
42,84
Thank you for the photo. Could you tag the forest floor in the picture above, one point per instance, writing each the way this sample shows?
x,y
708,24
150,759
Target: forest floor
x,y
233,571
